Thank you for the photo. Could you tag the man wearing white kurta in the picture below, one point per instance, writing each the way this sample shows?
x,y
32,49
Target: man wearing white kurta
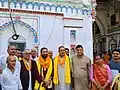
x,y
34,54
11,52
29,73
10,79
62,77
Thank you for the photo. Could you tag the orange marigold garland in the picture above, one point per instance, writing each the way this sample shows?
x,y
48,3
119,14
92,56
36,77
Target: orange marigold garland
x,y
44,63
61,62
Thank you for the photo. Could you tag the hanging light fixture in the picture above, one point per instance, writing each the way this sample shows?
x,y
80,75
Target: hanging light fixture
x,y
15,36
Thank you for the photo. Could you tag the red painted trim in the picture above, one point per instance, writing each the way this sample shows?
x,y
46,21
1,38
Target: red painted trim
x,y
72,18
30,12
72,27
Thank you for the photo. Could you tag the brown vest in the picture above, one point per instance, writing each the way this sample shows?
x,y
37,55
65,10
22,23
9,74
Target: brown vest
x,y
24,75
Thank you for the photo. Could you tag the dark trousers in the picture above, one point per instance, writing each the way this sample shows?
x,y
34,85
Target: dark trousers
x,y
0,87
49,89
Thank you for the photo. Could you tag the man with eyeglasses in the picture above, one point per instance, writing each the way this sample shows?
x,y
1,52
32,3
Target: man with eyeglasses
x,y
34,54
29,72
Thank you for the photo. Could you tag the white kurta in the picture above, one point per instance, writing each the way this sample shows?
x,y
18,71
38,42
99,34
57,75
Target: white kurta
x,y
9,80
61,75
30,83
3,64
34,58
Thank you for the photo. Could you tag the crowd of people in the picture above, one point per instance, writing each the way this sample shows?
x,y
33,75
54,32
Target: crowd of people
x,y
34,70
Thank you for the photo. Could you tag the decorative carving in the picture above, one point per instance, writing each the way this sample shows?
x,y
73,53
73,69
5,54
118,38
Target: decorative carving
x,y
38,5
35,34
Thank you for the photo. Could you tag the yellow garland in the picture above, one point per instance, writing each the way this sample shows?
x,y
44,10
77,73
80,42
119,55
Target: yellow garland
x,y
67,70
48,75
26,65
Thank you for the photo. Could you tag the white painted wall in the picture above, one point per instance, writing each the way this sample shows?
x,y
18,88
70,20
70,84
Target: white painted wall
x,y
7,33
82,37
51,31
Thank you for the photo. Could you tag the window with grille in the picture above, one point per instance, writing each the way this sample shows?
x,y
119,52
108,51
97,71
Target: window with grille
x,y
20,46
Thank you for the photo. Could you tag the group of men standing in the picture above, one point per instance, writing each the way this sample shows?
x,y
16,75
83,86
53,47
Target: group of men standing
x,y
44,72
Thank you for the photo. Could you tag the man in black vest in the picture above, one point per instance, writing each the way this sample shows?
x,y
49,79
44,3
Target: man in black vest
x,y
29,72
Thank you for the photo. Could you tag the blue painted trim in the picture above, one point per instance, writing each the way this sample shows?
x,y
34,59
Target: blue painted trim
x,y
39,30
24,24
15,4
39,5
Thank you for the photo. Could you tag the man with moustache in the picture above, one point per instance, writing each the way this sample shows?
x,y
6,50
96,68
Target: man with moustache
x,y
115,62
29,72
50,53
18,54
62,75
115,68
44,64
67,51
10,79
34,54
81,69
11,52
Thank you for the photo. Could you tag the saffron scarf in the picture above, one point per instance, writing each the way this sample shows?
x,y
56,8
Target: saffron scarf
x,y
67,70
43,65
28,67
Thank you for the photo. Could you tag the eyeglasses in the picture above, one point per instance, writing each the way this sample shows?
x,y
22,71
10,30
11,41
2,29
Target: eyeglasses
x,y
27,53
33,51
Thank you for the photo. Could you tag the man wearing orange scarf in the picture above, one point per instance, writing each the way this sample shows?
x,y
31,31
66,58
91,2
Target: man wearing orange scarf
x,y
62,77
44,64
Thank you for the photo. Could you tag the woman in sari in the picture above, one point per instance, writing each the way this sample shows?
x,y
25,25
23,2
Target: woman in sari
x,y
100,75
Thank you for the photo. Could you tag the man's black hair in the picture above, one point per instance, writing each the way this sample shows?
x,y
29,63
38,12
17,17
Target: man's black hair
x,y
43,48
67,49
60,47
117,50
79,46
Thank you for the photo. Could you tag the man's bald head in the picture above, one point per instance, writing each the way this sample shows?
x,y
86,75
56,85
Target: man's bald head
x,y
26,54
26,51
10,57
34,49
34,52
11,61
50,52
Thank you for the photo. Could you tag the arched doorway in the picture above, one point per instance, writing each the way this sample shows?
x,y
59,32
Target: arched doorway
x,y
99,41
28,36
96,35
112,44
20,43
96,29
